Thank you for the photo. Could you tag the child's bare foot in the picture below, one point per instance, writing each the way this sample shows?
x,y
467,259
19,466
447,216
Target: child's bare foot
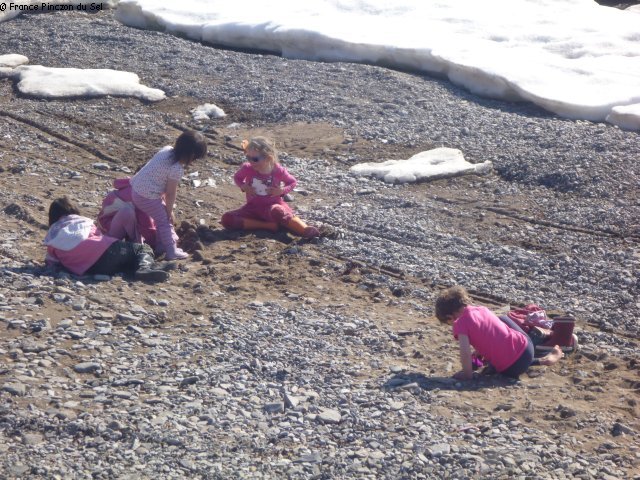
x,y
553,356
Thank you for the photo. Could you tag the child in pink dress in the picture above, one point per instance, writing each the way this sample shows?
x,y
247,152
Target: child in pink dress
x,y
155,186
264,182
499,340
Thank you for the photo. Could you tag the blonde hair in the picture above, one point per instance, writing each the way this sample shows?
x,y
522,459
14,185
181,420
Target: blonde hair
x,y
450,301
264,146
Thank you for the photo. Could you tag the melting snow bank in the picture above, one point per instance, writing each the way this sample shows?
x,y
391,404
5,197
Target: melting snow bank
x,y
571,57
46,82
436,163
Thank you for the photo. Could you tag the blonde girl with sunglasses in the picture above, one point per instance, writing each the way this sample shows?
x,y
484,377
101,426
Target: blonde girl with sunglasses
x,y
265,182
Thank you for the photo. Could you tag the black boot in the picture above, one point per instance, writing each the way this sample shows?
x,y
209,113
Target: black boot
x,y
147,270
167,266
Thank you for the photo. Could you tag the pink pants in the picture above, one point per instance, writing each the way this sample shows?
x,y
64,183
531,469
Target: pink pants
x,y
166,238
280,213
124,225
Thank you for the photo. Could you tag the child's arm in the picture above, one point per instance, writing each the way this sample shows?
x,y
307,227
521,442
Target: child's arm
x,y
465,359
170,193
287,179
240,179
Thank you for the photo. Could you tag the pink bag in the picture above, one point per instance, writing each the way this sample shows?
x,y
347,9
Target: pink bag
x,y
561,335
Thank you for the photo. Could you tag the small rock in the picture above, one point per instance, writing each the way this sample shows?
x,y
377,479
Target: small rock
x,y
32,438
87,367
124,317
276,407
330,416
18,389
620,429
314,457
189,381
439,449
291,401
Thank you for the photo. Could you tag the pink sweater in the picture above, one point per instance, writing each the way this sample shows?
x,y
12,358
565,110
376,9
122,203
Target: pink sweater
x,y
279,176
490,336
76,243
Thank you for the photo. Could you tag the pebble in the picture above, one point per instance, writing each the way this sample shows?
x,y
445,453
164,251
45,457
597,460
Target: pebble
x,y
87,367
125,317
276,407
329,416
79,303
18,389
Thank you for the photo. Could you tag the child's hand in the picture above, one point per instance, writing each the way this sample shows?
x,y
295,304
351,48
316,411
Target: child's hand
x,y
275,191
249,190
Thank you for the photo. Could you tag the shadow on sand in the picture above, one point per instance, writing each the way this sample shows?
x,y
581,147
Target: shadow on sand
x,y
35,270
407,381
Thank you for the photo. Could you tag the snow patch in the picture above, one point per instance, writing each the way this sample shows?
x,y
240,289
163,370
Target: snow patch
x,y
12,60
206,112
49,82
436,163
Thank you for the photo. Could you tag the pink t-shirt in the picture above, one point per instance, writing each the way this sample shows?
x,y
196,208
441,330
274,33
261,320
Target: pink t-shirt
x,y
76,243
151,181
490,336
279,176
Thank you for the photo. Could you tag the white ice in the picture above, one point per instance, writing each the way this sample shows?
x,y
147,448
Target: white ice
x,y
12,60
8,63
436,163
627,116
206,112
46,82
572,57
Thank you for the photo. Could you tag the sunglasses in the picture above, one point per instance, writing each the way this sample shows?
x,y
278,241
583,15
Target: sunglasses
x,y
255,159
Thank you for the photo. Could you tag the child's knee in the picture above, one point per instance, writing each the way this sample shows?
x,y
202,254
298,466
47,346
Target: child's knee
x,y
280,215
231,221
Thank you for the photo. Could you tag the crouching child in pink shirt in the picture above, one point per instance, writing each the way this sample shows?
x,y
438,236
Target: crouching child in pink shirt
x,y
75,242
498,339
